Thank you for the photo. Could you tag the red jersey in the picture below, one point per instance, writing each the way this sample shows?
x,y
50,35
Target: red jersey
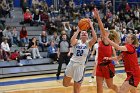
x,y
104,51
131,61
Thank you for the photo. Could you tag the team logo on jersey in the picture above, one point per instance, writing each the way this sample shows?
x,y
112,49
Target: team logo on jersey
x,y
81,47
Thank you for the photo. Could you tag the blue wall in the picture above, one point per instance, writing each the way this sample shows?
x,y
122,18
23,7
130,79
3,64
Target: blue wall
x,y
17,3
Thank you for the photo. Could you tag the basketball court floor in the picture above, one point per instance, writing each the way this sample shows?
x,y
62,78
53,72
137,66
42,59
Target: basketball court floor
x,y
47,83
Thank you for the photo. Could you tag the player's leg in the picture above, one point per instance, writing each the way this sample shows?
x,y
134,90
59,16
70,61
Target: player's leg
x,y
110,84
67,81
125,87
77,87
78,76
68,75
99,81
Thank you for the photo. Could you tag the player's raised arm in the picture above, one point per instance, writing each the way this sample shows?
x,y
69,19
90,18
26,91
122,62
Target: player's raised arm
x,y
73,38
96,15
94,36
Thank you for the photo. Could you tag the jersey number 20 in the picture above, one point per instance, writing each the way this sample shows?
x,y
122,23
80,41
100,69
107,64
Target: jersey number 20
x,y
79,52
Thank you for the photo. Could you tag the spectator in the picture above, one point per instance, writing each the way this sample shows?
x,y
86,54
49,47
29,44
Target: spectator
x,y
6,48
36,17
52,51
44,6
10,4
8,34
23,36
44,16
65,33
55,38
67,27
33,48
43,40
28,17
14,55
5,8
35,4
73,29
137,12
127,7
24,54
123,35
24,6
15,35
130,24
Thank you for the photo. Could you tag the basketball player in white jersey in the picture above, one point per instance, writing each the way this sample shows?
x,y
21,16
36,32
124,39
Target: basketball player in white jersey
x,y
76,67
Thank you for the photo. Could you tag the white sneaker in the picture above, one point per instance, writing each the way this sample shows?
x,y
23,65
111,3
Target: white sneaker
x,y
20,64
40,57
28,57
90,81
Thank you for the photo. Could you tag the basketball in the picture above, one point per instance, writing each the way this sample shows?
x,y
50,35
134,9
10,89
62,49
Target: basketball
x,y
83,24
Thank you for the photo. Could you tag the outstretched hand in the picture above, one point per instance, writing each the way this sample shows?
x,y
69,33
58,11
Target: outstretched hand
x,y
90,23
95,12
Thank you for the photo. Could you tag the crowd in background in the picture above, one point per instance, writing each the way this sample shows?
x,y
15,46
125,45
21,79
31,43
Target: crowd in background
x,y
62,21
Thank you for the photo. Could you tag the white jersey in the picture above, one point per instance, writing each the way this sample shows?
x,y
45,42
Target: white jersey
x,y
80,51
96,49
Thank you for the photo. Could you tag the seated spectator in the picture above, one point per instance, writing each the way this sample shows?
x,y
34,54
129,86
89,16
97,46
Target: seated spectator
x,y
28,17
6,48
52,51
8,34
33,48
5,8
44,16
55,38
23,36
36,17
14,55
15,35
43,40
24,54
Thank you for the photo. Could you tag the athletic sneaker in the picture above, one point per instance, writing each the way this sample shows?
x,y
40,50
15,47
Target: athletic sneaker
x,y
20,64
90,81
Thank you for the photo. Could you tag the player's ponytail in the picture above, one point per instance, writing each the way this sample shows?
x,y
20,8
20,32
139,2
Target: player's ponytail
x,y
114,36
135,40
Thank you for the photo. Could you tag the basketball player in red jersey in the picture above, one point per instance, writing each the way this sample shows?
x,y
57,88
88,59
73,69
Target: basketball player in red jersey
x,y
129,56
107,71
